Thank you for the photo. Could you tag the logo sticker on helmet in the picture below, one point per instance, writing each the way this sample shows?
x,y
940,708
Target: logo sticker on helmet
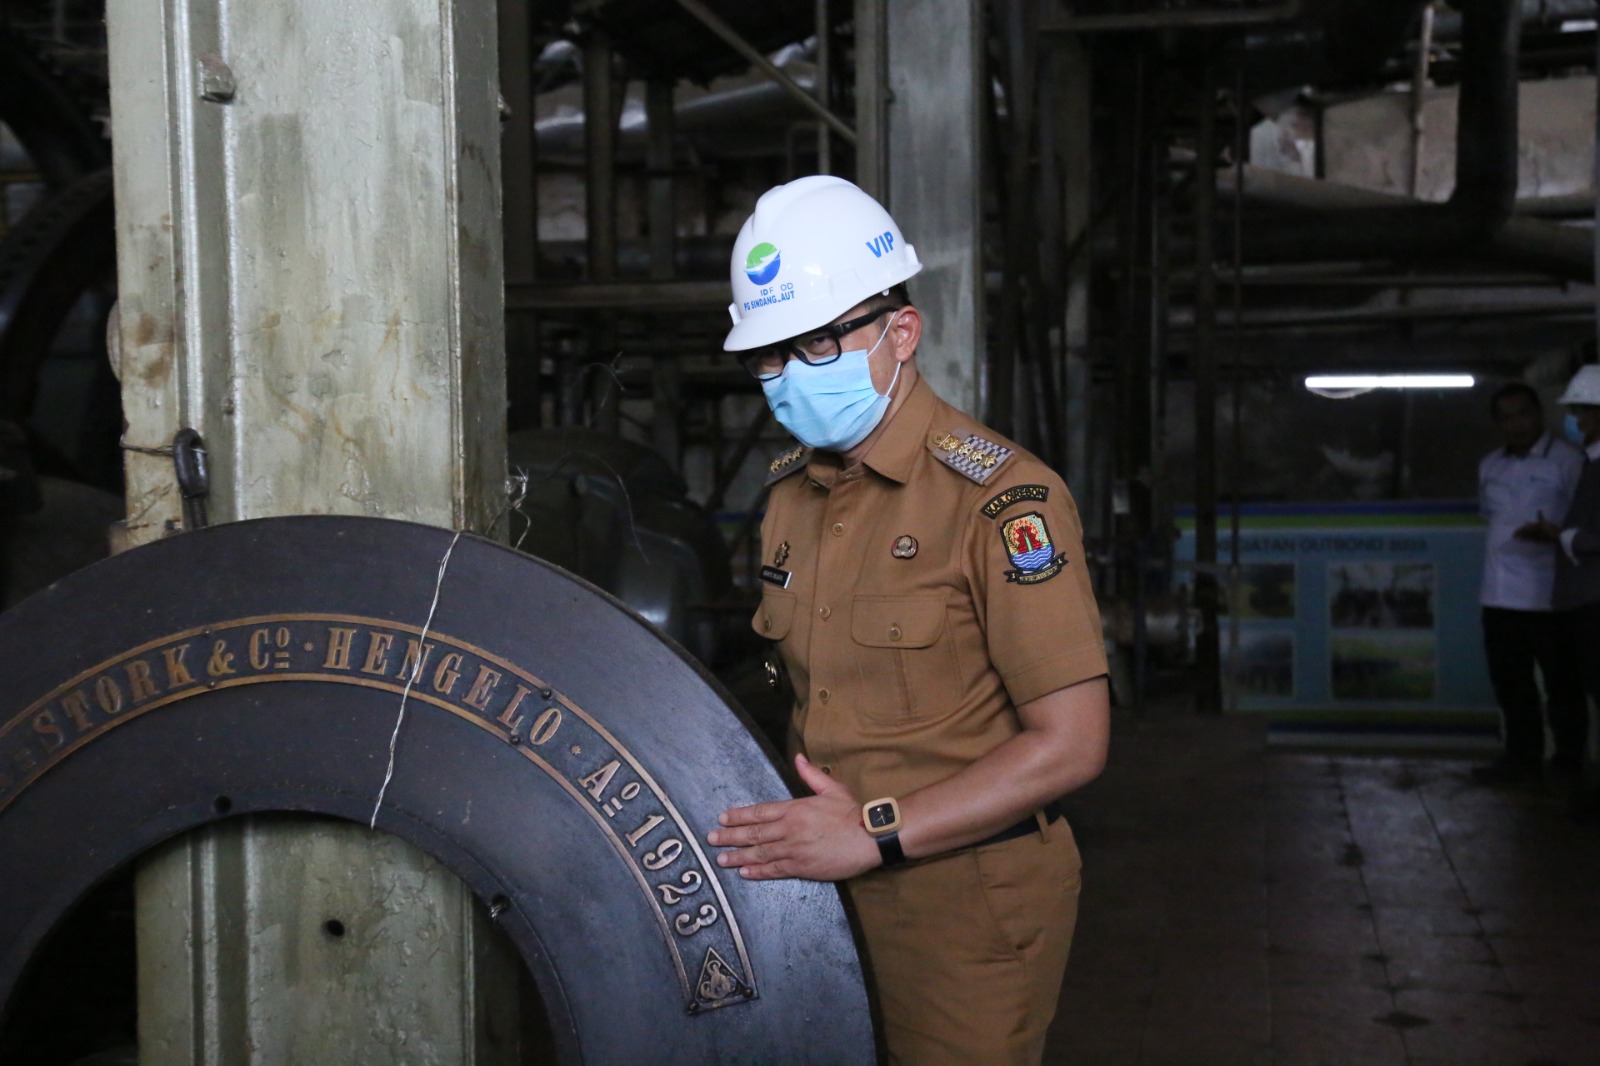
x,y
761,265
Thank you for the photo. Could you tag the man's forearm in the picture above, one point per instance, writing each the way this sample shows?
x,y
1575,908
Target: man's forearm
x,y
1062,748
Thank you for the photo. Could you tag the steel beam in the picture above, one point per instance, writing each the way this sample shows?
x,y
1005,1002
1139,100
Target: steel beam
x,y
822,86
872,99
520,201
665,386
642,295
1187,18
1203,362
1073,121
600,109
709,19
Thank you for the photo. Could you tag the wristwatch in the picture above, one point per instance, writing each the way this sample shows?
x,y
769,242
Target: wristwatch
x,y
881,817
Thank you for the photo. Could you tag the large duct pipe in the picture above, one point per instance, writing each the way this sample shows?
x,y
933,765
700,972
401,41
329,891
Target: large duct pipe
x,y
1486,173
1447,24
1521,242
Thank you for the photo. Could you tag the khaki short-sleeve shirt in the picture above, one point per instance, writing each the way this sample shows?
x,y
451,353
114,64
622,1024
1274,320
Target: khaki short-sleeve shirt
x,y
920,596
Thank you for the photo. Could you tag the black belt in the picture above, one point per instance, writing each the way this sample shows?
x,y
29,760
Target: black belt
x,y
1030,824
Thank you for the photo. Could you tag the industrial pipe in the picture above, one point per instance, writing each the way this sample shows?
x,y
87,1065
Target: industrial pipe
x,y
1486,168
1523,242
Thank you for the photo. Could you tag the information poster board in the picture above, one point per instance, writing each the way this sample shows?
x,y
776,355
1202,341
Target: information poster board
x,y
1361,608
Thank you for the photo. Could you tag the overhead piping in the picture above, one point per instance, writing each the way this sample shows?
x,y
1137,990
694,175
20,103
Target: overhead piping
x,y
1486,173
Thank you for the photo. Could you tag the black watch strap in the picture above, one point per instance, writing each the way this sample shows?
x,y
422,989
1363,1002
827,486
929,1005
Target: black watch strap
x,y
889,848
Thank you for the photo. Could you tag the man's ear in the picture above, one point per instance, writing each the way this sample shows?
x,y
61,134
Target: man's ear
x,y
907,331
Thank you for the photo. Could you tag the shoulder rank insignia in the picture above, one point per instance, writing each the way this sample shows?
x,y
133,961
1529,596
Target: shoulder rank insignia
x,y
786,464
975,457
1030,549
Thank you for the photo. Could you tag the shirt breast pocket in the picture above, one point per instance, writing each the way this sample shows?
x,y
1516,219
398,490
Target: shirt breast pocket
x,y
775,615
908,667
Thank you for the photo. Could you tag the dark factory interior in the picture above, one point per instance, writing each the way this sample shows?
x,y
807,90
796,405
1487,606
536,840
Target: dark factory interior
x,y
1251,276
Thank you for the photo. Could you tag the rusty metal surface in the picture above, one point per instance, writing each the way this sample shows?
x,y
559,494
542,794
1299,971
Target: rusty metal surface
x,y
556,755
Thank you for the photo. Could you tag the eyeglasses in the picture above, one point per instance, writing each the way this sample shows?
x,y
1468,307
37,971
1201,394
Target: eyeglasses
x,y
816,348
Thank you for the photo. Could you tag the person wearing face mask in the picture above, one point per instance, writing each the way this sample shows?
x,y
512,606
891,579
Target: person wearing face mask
x,y
926,588
1533,473
1575,591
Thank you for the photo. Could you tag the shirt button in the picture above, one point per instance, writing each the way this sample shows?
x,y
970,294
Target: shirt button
x,y
828,770
766,623
823,695
894,633
838,529
825,612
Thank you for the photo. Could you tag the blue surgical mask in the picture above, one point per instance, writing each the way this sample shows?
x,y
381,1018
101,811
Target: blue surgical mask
x,y
833,407
1571,430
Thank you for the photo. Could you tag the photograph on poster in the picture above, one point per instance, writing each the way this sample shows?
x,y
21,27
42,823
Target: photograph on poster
x,y
1397,665
1262,590
1262,664
1380,595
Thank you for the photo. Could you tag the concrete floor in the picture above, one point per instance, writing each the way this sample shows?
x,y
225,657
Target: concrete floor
x,y
1244,905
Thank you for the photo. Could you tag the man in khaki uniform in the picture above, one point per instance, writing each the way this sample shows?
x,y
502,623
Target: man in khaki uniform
x,y
926,587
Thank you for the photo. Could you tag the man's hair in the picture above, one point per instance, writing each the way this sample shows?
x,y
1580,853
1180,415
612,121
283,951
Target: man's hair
x,y
897,296
1510,389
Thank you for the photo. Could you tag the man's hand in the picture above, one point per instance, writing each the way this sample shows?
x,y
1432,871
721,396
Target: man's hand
x,y
1542,531
818,838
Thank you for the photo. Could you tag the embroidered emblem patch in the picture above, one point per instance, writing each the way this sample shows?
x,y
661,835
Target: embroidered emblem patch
x,y
1030,549
1016,494
904,547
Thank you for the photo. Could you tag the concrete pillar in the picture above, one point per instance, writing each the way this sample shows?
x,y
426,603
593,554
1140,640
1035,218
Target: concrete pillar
x,y
309,269
936,113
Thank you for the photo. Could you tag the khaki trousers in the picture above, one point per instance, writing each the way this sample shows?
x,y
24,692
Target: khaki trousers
x,y
968,950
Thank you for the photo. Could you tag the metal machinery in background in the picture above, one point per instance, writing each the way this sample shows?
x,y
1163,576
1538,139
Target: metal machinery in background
x,y
63,476
1139,279
615,513
1214,282
1103,269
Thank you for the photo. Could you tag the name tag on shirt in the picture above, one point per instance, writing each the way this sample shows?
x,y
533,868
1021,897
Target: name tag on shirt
x,y
773,576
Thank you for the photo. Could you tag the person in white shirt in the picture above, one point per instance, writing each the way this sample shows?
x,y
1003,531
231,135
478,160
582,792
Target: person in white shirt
x,y
1533,475
1575,594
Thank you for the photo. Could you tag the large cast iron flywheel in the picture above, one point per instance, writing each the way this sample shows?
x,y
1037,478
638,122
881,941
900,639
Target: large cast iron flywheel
x,y
556,754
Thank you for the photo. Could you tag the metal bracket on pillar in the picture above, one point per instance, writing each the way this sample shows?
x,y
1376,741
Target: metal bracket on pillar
x,y
194,479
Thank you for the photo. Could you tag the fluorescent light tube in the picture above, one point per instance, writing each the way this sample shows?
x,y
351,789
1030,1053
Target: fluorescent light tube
x,y
1390,381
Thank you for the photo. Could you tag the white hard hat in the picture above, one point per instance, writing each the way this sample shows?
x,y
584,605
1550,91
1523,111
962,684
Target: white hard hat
x,y
813,249
1584,388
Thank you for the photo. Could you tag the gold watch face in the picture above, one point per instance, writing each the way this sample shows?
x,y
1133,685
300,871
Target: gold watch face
x,y
882,816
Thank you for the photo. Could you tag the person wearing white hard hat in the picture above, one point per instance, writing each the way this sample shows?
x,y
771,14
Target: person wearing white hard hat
x,y
926,589
1576,588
